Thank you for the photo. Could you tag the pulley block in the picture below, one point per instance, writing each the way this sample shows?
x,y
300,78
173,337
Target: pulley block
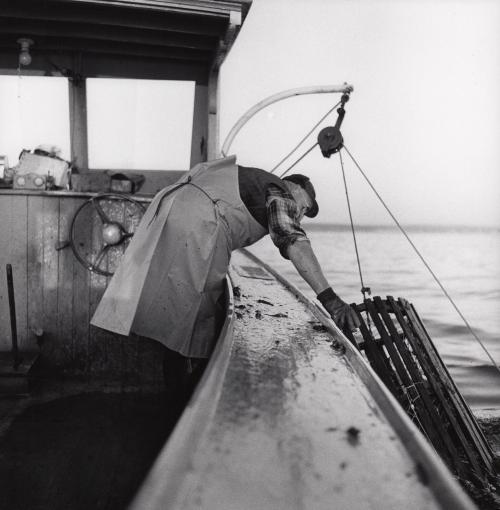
x,y
330,140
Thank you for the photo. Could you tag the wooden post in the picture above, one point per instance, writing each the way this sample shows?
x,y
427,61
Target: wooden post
x,y
225,44
78,123
213,115
200,125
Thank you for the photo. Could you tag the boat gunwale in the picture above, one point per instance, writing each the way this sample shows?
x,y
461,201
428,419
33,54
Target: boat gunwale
x,y
162,487
443,485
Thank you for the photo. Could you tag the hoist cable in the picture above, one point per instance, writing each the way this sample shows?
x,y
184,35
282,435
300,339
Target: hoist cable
x,y
305,137
298,160
352,223
450,299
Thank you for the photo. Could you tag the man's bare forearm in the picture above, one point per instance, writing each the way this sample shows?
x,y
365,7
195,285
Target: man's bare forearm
x,y
306,263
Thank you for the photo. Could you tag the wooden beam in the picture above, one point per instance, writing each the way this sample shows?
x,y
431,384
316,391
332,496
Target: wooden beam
x,y
123,16
46,45
205,7
112,66
78,31
226,42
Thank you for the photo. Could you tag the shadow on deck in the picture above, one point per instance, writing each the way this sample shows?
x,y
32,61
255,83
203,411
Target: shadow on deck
x,y
80,450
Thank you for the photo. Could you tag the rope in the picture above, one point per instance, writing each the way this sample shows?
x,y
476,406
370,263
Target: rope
x,y
305,137
412,412
352,226
450,299
300,159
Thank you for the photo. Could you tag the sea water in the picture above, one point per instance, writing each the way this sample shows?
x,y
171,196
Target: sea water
x,y
466,261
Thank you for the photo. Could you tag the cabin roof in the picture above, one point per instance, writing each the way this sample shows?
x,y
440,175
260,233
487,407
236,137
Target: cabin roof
x,y
121,38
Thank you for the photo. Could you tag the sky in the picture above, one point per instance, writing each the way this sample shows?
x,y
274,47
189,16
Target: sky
x,y
423,121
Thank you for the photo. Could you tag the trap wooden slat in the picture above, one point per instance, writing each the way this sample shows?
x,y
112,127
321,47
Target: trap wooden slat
x,y
376,359
402,353
464,413
468,416
422,399
448,411
433,388
449,454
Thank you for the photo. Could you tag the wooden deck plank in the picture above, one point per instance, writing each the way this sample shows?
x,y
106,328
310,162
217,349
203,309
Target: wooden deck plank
x,y
98,356
35,292
18,250
81,300
66,261
6,212
50,280
13,233
113,344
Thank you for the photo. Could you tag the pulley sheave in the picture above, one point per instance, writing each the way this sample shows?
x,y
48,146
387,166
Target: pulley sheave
x,y
330,139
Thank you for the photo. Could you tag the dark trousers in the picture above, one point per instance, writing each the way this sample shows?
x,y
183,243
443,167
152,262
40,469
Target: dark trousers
x,y
181,376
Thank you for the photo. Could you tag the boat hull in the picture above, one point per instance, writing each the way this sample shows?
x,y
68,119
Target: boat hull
x,y
289,416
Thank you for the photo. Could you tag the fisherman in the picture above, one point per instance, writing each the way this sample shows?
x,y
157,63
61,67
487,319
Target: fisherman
x,y
170,283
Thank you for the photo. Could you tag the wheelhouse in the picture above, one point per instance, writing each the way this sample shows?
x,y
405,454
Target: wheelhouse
x,y
139,59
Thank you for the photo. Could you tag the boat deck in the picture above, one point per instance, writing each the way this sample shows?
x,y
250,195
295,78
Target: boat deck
x,y
75,445
283,421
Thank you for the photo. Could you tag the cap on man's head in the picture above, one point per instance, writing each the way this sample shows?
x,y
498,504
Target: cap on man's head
x,y
305,183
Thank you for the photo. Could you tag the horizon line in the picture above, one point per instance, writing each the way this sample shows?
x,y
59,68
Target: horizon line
x,y
412,226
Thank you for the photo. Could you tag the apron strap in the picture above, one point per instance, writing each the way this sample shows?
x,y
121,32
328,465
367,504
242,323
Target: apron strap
x,y
175,188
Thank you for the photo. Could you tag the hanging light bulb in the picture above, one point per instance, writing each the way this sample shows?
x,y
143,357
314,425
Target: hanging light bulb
x,y
24,54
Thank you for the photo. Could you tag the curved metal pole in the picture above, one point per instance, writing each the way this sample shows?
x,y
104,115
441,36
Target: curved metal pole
x,y
321,89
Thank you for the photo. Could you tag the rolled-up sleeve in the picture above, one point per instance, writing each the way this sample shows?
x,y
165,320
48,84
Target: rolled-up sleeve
x,y
283,219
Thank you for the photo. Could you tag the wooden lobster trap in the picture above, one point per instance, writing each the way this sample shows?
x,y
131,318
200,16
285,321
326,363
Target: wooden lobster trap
x,y
399,349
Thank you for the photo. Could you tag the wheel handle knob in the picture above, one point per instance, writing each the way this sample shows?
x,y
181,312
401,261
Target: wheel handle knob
x,y
112,234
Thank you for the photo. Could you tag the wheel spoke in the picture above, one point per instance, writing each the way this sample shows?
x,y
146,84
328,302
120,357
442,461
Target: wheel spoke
x,y
100,210
131,220
99,257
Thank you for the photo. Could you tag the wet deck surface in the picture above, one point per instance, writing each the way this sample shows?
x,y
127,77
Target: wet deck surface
x,y
80,451
294,427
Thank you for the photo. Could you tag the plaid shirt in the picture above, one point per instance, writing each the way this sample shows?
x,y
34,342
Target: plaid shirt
x,y
283,216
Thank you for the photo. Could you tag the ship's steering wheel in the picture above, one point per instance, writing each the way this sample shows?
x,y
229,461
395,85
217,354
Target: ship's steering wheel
x,y
101,230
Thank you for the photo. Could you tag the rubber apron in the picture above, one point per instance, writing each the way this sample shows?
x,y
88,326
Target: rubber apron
x,y
170,283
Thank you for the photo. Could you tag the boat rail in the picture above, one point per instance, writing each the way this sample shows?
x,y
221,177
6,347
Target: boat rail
x,y
199,458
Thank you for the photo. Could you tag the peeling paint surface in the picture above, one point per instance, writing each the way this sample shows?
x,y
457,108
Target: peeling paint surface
x,y
295,428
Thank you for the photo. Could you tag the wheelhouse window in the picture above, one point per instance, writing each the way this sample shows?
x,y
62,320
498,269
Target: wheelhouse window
x,y
34,110
139,124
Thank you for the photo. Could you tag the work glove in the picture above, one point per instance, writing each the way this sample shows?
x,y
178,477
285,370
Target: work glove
x,y
342,314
